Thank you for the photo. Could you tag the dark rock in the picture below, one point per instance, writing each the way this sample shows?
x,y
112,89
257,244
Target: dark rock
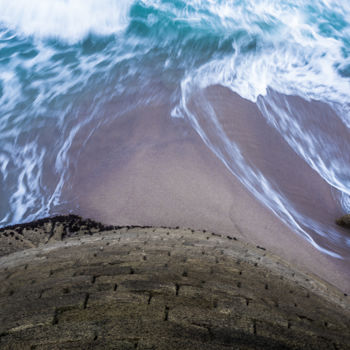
x,y
46,230
344,221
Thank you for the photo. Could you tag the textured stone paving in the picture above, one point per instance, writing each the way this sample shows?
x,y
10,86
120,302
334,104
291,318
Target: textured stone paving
x,y
85,286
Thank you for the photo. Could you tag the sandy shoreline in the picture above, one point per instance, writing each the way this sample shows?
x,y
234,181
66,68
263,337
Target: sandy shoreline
x,y
145,168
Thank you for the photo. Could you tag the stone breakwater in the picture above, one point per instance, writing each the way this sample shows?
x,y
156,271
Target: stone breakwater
x,y
68,283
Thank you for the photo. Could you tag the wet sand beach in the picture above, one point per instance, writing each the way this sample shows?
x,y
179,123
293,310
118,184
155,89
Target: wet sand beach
x,y
146,168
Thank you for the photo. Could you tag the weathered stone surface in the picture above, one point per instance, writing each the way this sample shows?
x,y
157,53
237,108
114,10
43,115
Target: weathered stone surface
x,y
33,234
159,288
344,221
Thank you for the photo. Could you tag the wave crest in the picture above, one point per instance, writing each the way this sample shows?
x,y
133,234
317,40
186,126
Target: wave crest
x,y
68,20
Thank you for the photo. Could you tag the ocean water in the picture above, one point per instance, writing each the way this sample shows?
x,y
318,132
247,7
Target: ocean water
x,y
64,62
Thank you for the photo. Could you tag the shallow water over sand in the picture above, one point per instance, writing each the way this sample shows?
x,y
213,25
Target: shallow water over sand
x,y
150,169
262,88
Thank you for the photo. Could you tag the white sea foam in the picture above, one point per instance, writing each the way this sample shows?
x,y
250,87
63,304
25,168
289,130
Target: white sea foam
x,y
28,194
252,178
70,20
295,58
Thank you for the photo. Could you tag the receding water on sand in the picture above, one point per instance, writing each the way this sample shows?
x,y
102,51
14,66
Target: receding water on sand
x,y
145,168
164,110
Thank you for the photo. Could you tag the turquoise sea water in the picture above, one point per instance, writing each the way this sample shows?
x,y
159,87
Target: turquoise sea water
x,y
63,61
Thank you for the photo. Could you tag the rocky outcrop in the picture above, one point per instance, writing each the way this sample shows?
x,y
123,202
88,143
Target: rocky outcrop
x,y
44,231
87,286
344,221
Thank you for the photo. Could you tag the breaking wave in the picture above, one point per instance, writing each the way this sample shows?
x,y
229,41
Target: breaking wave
x,y
63,62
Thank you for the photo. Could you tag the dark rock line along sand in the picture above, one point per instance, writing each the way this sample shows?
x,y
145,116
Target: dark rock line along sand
x,y
68,283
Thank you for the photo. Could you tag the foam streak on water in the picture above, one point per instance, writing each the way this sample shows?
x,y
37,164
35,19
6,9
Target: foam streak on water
x,y
68,20
63,62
